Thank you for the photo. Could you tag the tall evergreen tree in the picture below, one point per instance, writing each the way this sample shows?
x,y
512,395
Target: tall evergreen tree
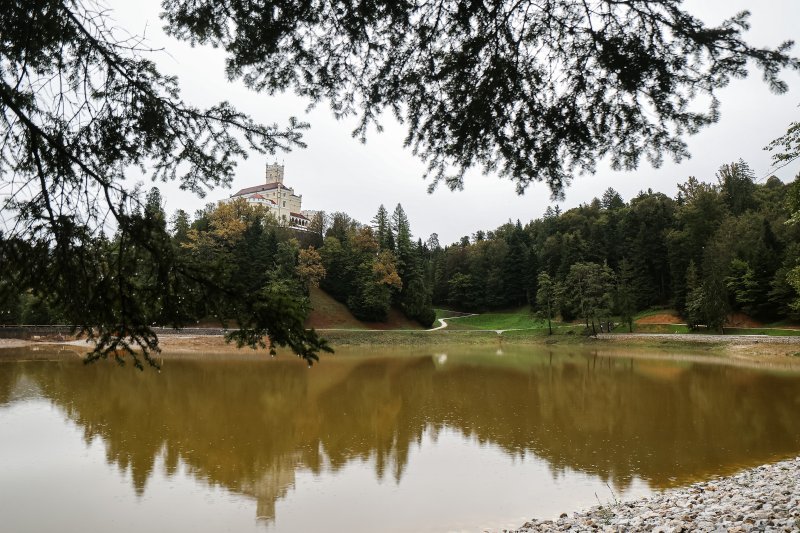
x,y
625,296
716,261
401,231
695,297
383,229
546,298
737,185
180,225
515,267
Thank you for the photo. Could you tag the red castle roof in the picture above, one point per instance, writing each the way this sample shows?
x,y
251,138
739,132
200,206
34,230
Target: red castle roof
x,y
261,188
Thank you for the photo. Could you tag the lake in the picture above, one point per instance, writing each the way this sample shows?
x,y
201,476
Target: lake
x,y
449,439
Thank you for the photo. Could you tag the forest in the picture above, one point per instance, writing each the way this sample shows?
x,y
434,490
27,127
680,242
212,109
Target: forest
x,y
731,245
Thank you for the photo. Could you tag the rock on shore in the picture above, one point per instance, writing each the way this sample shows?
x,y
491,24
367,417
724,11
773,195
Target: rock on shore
x,y
766,498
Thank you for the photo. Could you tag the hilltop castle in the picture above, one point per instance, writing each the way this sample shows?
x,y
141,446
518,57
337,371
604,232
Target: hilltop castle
x,y
277,197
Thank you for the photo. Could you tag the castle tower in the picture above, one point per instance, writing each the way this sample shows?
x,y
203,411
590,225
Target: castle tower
x,y
274,173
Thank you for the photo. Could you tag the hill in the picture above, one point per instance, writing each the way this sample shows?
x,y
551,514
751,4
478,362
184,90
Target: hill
x,y
327,313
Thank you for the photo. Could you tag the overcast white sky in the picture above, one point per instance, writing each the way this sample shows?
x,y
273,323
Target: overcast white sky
x,y
338,173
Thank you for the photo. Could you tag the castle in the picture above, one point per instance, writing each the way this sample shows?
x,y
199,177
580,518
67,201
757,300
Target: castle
x,y
279,199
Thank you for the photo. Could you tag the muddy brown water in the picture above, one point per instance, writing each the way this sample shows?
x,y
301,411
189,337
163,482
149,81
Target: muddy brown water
x,y
449,439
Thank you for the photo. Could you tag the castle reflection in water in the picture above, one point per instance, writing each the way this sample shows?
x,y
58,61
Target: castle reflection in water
x,y
250,425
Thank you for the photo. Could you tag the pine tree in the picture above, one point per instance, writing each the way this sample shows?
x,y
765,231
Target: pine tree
x,y
737,185
180,225
383,229
515,267
715,293
401,232
695,297
625,293
546,298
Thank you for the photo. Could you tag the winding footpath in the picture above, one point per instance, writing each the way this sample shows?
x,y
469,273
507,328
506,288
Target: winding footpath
x,y
443,324
766,498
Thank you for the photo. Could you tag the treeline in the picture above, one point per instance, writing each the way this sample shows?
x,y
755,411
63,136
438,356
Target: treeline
x,y
711,250
371,268
241,251
246,257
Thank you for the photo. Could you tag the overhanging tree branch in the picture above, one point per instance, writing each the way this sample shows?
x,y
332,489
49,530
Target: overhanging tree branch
x,y
536,91
78,112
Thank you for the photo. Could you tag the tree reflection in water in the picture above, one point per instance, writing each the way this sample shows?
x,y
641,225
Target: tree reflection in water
x,y
250,425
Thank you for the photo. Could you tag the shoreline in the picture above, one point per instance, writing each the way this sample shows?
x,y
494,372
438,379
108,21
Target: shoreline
x,y
783,351
764,498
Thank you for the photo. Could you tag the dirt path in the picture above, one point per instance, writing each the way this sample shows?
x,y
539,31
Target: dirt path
x,y
443,323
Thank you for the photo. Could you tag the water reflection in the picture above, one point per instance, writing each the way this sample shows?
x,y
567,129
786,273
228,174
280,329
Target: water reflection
x,y
251,425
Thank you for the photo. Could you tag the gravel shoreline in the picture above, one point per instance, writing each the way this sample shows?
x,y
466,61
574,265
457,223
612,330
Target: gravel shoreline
x,y
766,498
700,337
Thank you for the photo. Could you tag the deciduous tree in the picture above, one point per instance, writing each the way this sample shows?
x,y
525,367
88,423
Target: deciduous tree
x,y
309,267
589,289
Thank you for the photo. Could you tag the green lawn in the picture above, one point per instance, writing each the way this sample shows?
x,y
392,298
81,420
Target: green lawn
x,y
511,320
447,313
782,324
523,319
559,330
762,331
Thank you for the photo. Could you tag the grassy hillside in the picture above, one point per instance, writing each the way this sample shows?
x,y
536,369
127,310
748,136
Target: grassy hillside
x,y
669,321
449,313
327,313
518,319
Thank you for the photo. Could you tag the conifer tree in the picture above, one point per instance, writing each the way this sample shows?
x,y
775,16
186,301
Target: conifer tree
x,y
515,267
716,261
546,298
695,297
383,229
625,293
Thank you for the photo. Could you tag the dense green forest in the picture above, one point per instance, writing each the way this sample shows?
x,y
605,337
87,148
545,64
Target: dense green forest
x,y
712,249
242,249
715,248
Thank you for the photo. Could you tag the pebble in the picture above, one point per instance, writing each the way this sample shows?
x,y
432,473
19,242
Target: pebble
x,y
766,498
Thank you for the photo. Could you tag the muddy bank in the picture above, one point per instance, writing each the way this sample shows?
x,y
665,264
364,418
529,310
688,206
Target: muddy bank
x,y
780,351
